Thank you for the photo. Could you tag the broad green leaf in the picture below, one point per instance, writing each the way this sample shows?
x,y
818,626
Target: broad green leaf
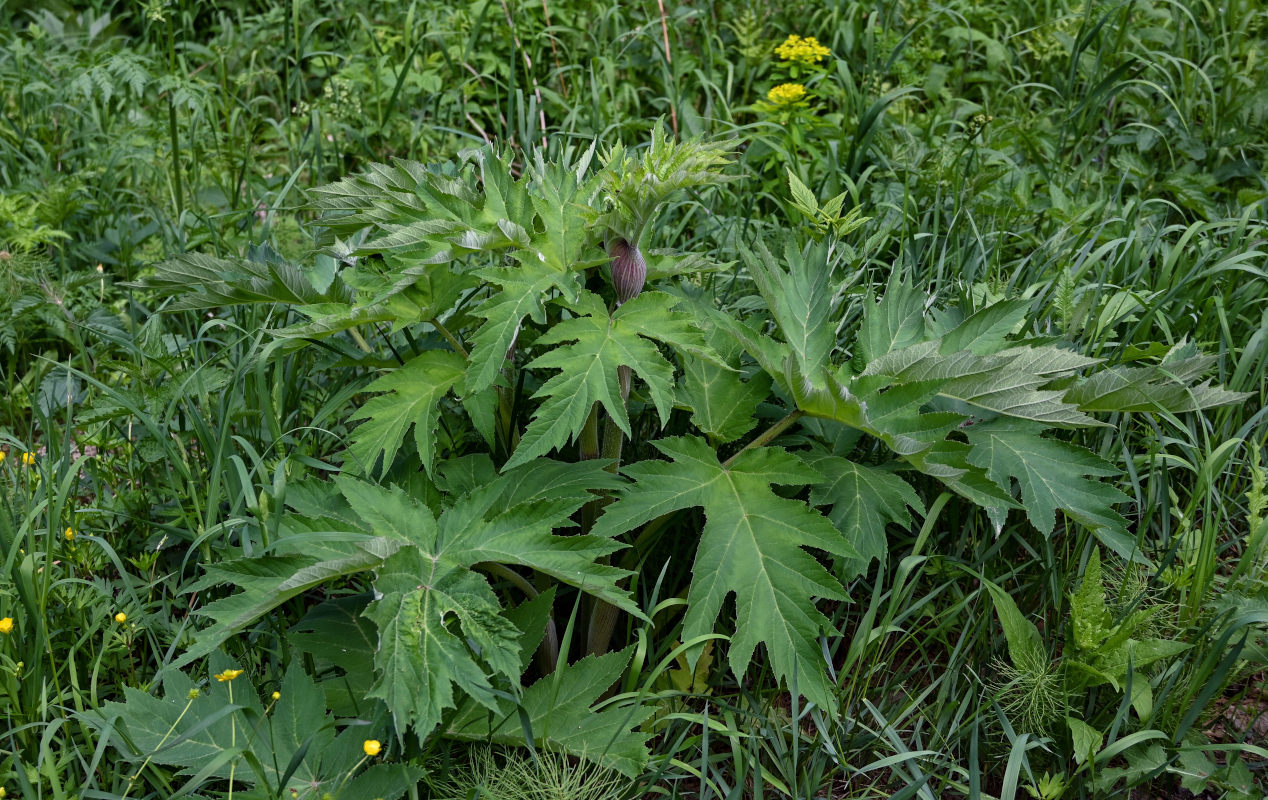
x,y
522,293
864,499
897,321
421,656
559,713
987,329
722,405
410,398
268,581
799,299
589,351
327,319
206,732
947,461
550,260
1168,386
1086,739
1051,474
423,216
751,546
203,281
1007,383
877,406
440,624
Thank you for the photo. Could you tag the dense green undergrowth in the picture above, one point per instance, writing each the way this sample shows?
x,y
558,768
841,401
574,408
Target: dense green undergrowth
x,y
583,400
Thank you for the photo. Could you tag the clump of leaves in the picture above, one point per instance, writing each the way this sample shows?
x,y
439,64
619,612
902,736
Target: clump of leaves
x,y
504,348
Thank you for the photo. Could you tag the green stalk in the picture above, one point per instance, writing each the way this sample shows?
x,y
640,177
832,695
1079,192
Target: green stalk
x,y
449,337
613,436
604,615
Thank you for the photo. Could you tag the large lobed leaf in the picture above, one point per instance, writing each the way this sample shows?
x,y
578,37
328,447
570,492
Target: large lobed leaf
x,y
293,748
591,348
411,399
558,713
439,624
1052,475
751,546
864,500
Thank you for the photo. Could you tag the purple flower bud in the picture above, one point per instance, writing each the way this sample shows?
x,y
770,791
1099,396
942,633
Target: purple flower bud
x,y
629,270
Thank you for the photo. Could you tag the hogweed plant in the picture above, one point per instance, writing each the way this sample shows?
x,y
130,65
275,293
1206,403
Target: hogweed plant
x,y
546,408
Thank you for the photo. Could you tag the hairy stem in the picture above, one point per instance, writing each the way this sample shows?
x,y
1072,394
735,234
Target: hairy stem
x,y
604,616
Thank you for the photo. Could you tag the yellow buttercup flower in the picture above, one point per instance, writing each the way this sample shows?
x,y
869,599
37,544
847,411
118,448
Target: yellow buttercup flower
x,y
69,534
6,625
121,618
785,94
372,747
3,456
228,675
805,51
28,459
277,695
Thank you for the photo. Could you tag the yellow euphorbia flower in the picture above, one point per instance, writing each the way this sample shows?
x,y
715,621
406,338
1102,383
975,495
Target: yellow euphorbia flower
x,y
805,51
785,94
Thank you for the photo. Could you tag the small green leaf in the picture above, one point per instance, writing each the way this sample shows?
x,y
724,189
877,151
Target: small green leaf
x,y
1025,645
1086,739
803,198
1090,616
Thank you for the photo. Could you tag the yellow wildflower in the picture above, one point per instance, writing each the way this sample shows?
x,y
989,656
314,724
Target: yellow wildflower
x,y
28,459
372,747
805,51
277,695
785,94
6,625
69,534
228,675
3,793
3,456
121,618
